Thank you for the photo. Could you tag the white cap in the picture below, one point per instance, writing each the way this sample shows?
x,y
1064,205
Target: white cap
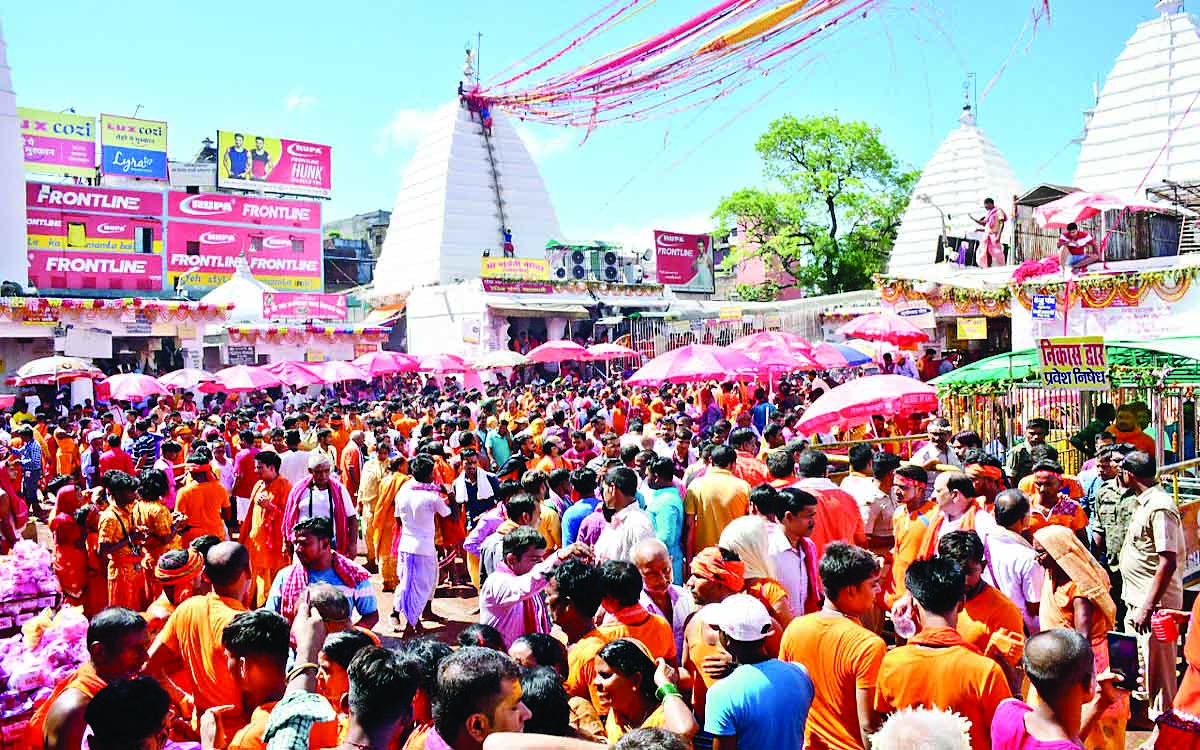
x,y
741,617
95,435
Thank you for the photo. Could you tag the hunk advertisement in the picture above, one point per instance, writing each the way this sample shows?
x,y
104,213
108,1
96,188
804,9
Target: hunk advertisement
x,y
282,258
254,162
56,230
684,261
69,269
238,209
82,199
58,143
133,148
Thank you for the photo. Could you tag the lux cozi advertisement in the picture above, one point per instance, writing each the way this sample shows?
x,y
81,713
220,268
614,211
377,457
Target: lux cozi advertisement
x,y
283,258
81,237
58,143
250,161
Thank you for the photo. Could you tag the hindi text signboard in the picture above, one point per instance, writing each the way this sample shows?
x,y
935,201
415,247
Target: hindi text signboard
x,y
1075,362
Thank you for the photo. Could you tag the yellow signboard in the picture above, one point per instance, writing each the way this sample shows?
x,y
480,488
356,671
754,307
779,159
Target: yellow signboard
x,y
525,269
1075,362
972,329
729,313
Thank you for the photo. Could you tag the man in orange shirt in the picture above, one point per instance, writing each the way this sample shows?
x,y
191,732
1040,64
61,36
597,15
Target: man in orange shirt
x,y
712,501
256,647
838,516
748,467
938,668
908,525
841,656
621,584
116,644
262,526
1054,499
339,438
191,639
573,597
121,543
988,620
202,502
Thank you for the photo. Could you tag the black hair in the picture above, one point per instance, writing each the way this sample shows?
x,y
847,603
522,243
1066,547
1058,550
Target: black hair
x,y
884,463
979,457
80,516
340,647
1011,507
1039,422
522,539
962,547
630,452
533,480
781,463
259,632
203,543
958,481
1141,465
844,566
741,436
583,481
811,463
723,456
579,583
57,483
482,635
522,504
661,468
316,526
861,456
125,713
793,500
913,473
269,459
1048,465
1057,658
624,479
112,624
547,651
558,478
152,484
543,694
968,439
621,582
421,468
1106,412
626,657
765,498
382,685
115,480
937,584
427,654
469,682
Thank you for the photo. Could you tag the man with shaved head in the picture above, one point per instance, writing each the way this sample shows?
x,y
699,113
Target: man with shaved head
x,y
660,596
1059,664
191,638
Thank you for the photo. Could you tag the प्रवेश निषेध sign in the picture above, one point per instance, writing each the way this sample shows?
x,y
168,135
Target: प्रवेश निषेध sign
x,y
1074,362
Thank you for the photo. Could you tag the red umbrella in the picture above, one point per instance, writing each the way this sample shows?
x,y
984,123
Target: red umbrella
x,y
774,358
884,326
694,363
601,352
134,387
771,338
856,401
337,371
188,377
244,378
384,362
294,373
558,351
443,364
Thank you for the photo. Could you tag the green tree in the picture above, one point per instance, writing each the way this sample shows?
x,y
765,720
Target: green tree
x,y
830,216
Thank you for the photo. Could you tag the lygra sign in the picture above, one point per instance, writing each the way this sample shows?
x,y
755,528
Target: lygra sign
x,y
238,209
83,199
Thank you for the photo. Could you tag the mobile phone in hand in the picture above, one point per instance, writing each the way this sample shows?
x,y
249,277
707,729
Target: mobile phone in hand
x,y
1123,660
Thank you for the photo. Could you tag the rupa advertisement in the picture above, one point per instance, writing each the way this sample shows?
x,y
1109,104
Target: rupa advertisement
x,y
286,259
684,262
246,161
238,209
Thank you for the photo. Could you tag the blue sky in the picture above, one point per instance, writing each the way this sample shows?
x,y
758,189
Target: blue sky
x,y
363,77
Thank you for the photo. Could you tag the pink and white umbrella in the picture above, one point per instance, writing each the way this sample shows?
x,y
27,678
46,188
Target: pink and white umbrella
x,y
244,378
134,387
384,362
188,377
774,358
443,364
337,371
298,374
770,338
558,351
604,352
56,369
883,326
694,363
855,402
1082,205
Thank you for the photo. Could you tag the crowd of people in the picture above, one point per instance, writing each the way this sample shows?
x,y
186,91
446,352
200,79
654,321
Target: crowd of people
x,y
655,568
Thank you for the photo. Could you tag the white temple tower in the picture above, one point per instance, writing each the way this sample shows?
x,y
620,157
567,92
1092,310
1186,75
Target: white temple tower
x,y
14,257
965,169
1155,79
458,192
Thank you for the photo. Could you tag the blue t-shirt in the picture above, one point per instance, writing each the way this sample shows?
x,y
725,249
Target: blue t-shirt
x,y
362,596
665,509
237,161
764,705
572,519
759,414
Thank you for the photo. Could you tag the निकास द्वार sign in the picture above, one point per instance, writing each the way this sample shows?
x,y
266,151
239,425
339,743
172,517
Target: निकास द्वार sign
x,y
1074,362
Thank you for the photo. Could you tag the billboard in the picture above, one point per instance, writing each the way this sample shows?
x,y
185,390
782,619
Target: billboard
x,y
302,306
246,161
133,148
286,259
58,230
73,269
59,143
528,269
84,199
240,209
684,262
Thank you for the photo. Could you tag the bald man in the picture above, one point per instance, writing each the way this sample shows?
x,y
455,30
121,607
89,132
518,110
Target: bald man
x,y
190,640
670,601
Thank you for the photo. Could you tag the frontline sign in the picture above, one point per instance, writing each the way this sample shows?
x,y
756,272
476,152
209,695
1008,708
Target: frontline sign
x,y
206,254
65,269
84,199
237,209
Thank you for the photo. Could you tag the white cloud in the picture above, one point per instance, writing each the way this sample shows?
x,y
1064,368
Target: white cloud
x,y
641,236
542,146
300,102
407,127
